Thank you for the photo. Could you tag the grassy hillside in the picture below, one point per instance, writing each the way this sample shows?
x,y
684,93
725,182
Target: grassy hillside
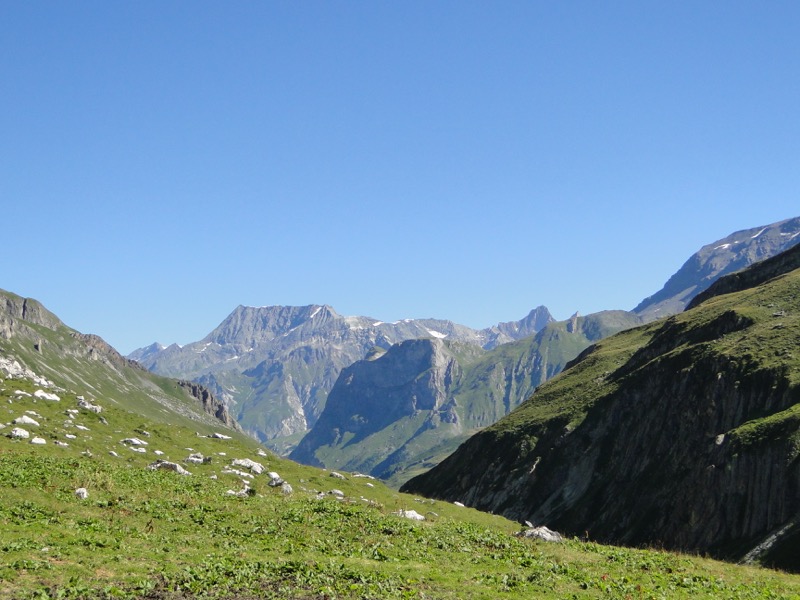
x,y
156,534
217,533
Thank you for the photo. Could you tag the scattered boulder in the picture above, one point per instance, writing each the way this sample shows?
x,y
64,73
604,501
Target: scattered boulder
x,y
458,504
20,433
540,533
59,443
86,405
336,475
274,479
286,489
38,441
245,491
261,452
133,442
230,471
338,493
81,493
70,436
254,467
169,466
42,395
219,436
25,420
409,514
114,454
195,458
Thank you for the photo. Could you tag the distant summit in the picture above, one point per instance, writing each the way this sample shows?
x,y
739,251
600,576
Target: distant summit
x,y
734,252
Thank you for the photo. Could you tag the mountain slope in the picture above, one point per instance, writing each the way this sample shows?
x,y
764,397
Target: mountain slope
x,y
36,338
712,261
405,410
275,365
683,432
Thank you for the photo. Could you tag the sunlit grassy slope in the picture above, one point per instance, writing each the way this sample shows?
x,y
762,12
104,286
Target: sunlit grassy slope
x,y
156,534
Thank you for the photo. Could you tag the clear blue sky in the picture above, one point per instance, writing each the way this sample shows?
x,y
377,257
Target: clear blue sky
x,y
163,162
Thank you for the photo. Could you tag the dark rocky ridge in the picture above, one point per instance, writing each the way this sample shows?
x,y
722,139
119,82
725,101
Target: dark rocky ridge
x,y
682,433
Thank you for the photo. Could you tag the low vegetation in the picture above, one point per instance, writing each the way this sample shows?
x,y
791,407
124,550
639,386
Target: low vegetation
x,y
155,534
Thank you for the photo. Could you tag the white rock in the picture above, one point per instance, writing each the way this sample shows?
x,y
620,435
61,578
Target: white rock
x,y
158,452
21,393
170,466
370,484
89,406
82,427
286,489
261,452
336,475
25,420
60,443
39,441
220,436
112,453
254,467
409,514
20,433
541,533
139,450
275,480
229,471
196,459
133,442
337,493
458,504
69,436
42,395
81,493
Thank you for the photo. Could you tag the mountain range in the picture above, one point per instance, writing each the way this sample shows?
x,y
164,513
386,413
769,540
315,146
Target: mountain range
x,y
274,367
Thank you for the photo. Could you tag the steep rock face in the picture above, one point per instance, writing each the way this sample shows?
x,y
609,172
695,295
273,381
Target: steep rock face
x,y
732,253
403,411
682,433
15,309
410,380
274,366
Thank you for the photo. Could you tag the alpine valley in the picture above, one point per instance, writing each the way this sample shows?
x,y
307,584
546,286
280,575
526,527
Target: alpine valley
x,y
678,433
393,399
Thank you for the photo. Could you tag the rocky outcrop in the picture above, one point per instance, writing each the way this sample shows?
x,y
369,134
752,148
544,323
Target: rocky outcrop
x,y
683,434
210,404
730,254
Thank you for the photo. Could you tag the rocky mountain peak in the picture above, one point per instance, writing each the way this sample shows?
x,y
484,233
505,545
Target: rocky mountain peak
x,y
712,261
